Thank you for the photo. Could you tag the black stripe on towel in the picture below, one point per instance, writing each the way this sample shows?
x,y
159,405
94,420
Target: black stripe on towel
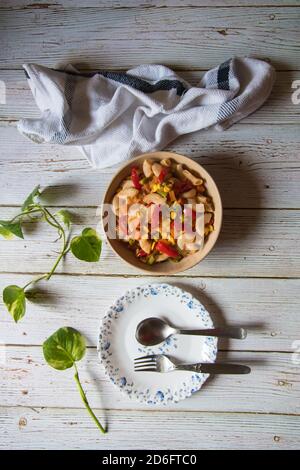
x,y
223,76
142,85
134,82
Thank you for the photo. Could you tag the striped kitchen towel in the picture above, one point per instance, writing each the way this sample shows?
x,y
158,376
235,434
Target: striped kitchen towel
x,y
113,116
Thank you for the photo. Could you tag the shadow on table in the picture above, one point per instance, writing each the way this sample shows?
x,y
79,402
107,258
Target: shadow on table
x,y
219,320
42,295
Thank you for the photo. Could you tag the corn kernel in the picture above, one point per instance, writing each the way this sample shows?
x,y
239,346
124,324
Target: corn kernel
x,y
166,188
155,187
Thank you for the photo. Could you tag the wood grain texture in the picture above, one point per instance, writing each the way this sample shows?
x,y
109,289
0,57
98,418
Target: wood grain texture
x,y
268,308
252,243
56,4
186,38
254,167
278,109
273,386
73,429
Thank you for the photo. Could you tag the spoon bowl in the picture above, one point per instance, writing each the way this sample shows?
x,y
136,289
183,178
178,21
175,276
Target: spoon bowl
x,y
152,331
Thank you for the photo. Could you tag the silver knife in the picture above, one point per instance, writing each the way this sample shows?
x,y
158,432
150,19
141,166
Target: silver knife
x,y
216,368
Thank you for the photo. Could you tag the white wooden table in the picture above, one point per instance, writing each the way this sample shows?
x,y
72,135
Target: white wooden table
x,y
252,276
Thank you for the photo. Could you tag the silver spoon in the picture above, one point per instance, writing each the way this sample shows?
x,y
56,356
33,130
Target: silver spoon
x,y
153,331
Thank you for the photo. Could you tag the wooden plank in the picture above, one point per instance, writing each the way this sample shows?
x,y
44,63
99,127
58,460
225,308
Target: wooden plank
x,y
252,243
74,429
268,308
23,4
278,109
259,164
114,38
273,386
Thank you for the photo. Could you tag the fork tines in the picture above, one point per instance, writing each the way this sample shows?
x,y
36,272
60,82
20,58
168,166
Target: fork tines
x,y
145,364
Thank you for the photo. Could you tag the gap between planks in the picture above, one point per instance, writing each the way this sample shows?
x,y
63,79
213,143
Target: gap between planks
x,y
158,410
220,350
111,6
145,276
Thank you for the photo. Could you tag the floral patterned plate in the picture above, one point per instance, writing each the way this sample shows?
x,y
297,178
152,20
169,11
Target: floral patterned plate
x,y
118,347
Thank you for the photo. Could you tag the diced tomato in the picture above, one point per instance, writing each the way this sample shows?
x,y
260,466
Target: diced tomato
x,y
135,178
166,249
182,187
163,174
141,253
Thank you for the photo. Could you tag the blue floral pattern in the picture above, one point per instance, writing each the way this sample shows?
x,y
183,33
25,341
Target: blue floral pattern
x,y
165,395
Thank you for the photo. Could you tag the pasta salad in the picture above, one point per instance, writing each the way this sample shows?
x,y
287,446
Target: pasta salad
x,y
163,211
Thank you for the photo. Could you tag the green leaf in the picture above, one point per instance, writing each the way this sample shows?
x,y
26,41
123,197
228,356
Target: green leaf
x,y
11,227
31,199
5,233
65,217
63,348
87,246
14,299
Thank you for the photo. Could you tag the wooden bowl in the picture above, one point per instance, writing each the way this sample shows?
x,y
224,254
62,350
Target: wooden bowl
x,y
166,267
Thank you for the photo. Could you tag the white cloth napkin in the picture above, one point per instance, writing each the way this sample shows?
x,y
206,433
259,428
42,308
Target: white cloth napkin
x,y
113,116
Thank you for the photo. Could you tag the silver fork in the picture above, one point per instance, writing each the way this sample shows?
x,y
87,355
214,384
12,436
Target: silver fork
x,y
162,363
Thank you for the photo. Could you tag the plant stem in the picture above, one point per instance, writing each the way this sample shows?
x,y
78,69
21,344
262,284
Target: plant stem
x,y
47,216
60,227
62,254
33,281
85,401
31,211
54,222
